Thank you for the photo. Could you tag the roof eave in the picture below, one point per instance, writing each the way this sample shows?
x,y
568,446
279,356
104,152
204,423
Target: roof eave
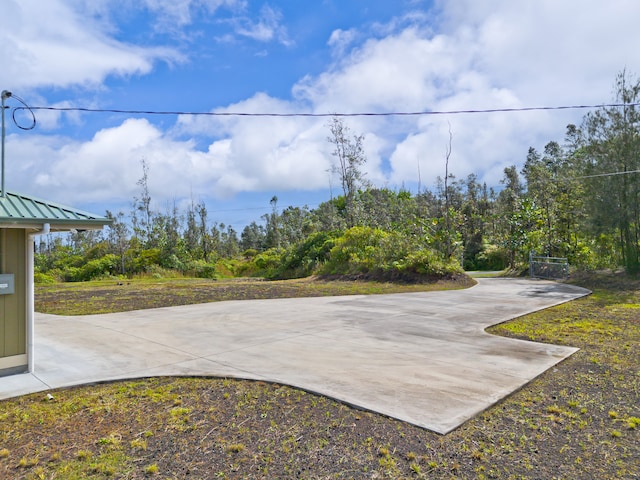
x,y
22,211
57,225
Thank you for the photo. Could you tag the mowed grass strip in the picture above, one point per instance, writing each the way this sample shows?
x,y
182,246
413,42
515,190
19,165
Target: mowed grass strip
x,y
86,298
580,419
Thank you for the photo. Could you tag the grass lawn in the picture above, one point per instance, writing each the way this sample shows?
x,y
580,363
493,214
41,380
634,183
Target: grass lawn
x,y
578,420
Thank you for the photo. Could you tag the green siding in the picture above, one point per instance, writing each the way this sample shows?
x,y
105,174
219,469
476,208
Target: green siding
x,y
13,307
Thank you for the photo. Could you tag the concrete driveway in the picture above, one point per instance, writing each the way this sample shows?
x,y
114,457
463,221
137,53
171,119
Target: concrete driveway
x,y
420,357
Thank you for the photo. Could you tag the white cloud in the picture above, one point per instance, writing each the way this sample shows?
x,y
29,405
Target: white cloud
x,y
173,15
168,15
466,55
50,44
261,154
267,28
264,153
404,71
497,54
340,40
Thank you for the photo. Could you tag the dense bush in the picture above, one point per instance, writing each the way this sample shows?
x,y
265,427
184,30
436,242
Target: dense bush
x,y
98,268
141,260
304,258
491,258
263,264
371,251
202,269
44,278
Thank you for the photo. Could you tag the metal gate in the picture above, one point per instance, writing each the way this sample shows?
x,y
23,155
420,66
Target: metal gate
x,y
548,267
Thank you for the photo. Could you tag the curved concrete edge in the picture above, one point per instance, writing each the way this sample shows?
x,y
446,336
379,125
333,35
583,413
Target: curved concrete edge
x,y
423,358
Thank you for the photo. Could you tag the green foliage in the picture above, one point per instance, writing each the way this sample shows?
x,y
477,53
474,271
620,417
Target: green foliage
x,y
427,262
172,262
611,143
305,257
97,251
264,264
492,257
141,261
59,257
250,253
579,199
98,268
364,250
44,278
202,269
357,251
226,268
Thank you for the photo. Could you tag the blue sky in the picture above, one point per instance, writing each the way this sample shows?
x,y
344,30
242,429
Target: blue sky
x,y
315,56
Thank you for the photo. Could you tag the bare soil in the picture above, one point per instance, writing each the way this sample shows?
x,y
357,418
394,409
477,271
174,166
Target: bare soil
x,y
578,420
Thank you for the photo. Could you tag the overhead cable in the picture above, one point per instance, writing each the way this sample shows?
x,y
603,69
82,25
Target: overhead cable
x,y
337,114
611,174
32,124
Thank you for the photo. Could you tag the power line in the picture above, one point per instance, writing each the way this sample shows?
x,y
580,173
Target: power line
x,y
606,174
337,114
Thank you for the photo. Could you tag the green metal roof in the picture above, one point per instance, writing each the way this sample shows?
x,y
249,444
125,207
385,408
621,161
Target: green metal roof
x,y
22,211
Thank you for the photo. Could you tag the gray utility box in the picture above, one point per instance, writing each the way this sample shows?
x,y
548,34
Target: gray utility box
x,y
7,284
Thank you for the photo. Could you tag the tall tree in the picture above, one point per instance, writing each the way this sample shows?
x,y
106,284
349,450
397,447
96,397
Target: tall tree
x,y
511,224
228,243
612,141
117,238
473,221
540,174
350,157
142,215
205,237
166,235
450,233
252,237
571,196
192,233
294,225
272,220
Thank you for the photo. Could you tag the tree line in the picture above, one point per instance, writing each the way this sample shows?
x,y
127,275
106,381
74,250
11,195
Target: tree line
x,y
577,198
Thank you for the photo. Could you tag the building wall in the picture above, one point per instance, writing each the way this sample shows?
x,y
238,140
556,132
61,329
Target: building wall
x,y
13,307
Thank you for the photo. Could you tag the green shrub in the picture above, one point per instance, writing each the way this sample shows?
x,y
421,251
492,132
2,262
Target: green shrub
x,y
305,257
64,261
264,264
71,274
202,269
227,268
100,267
142,260
44,278
492,258
422,262
357,251
172,262
373,252
97,251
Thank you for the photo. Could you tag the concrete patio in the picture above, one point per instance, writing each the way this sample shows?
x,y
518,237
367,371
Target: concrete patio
x,y
419,357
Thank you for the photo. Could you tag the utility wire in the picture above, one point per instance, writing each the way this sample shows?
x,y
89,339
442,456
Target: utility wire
x,y
26,107
605,174
301,114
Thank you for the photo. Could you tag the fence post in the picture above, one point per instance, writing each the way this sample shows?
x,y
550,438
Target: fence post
x,y
531,254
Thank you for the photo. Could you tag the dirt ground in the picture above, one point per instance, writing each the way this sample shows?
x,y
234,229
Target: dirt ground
x,y
578,420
